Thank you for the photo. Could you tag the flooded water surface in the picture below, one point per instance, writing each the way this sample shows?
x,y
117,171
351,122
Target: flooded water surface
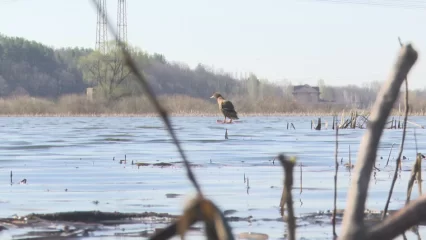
x,y
73,164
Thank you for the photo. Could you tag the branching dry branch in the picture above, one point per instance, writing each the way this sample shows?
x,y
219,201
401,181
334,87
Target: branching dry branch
x,y
353,219
401,147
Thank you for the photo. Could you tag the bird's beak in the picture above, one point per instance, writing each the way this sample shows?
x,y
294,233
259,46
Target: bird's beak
x,y
212,97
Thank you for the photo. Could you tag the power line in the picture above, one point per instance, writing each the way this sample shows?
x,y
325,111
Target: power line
x,y
407,4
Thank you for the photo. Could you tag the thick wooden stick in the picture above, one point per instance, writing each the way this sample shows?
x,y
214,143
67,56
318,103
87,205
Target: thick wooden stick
x,y
353,219
401,147
401,221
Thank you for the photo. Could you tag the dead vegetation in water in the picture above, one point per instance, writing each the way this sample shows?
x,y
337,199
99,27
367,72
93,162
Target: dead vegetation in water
x,y
161,164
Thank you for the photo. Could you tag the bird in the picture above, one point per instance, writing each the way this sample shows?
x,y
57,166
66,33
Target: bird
x,y
226,107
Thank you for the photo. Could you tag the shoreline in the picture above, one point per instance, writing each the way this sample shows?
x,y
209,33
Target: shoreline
x,y
193,114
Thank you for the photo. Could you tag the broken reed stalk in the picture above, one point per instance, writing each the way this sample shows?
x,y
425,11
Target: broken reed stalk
x,y
301,183
401,147
414,175
335,182
353,218
151,96
318,127
350,161
286,197
387,162
395,175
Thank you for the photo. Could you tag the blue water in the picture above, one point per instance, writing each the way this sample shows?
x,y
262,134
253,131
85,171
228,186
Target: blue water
x,y
68,164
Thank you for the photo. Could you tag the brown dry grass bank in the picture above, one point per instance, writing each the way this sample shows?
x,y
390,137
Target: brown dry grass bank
x,y
178,105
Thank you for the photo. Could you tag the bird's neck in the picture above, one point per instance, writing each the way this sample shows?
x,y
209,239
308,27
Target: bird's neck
x,y
220,99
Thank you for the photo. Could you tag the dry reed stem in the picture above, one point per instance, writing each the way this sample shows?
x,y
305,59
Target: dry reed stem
x,y
387,162
301,179
401,147
350,159
353,219
151,96
216,226
335,182
414,175
199,209
286,198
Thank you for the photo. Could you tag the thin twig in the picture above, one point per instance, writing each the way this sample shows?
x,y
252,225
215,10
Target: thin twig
x,y
151,96
353,219
335,182
301,178
415,141
401,147
387,162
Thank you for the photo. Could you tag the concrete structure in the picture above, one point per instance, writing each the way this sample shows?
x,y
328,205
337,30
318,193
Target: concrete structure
x,y
89,93
306,94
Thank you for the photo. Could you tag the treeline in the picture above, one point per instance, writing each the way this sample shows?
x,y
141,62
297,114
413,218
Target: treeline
x,y
28,68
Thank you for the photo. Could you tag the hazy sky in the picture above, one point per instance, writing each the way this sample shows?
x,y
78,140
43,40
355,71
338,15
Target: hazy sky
x,y
299,40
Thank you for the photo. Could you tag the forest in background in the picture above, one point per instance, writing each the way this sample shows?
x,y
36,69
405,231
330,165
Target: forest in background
x,y
35,78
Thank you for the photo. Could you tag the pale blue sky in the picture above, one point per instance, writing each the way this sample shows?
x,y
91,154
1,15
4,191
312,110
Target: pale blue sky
x,y
299,40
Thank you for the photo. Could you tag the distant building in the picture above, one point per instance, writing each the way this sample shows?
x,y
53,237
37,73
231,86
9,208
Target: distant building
x,y
306,94
89,93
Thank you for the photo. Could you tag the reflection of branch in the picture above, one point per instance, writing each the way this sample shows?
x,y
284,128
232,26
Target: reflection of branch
x,y
352,225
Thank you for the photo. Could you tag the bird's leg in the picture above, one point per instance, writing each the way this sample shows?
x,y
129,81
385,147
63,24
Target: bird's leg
x,y
230,120
224,121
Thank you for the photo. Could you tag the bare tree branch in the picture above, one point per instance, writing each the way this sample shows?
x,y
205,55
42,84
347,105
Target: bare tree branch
x,y
401,147
353,219
401,221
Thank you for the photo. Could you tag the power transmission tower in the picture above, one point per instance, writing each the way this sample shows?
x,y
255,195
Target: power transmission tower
x,y
101,28
122,21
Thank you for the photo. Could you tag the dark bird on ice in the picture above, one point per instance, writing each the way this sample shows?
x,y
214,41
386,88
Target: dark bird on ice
x,y
226,107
